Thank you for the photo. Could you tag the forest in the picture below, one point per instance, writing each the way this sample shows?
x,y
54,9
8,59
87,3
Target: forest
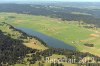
x,y
88,15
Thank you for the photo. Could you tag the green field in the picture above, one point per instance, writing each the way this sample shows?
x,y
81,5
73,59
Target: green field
x,y
66,31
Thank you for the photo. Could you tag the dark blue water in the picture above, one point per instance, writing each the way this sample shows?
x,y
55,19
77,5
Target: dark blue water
x,y
52,42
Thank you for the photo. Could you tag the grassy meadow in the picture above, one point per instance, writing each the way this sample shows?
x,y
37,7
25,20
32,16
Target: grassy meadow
x,y
69,32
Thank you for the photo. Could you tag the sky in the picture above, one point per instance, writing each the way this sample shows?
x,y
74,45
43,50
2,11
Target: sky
x,y
51,0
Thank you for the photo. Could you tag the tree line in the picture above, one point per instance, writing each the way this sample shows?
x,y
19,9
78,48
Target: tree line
x,y
55,12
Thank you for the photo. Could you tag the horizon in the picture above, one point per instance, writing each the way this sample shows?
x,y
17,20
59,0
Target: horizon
x,y
8,1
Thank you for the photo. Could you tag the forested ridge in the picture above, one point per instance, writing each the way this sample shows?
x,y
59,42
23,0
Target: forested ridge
x,y
11,49
91,16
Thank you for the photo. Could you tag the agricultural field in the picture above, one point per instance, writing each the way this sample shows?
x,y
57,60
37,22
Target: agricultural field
x,y
70,32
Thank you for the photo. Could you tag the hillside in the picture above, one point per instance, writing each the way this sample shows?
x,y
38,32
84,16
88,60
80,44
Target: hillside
x,y
14,44
28,41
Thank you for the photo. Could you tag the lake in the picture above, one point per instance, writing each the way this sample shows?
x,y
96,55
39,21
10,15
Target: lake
x,y
52,42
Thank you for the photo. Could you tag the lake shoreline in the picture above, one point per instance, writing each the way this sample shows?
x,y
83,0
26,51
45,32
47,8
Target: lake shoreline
x,y
49,41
